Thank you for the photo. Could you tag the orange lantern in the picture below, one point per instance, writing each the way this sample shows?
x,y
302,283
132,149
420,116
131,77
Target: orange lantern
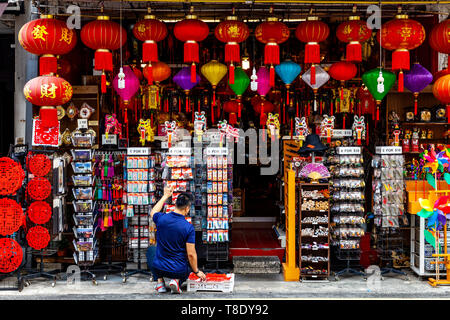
x,y
160,71
150,30
401,35
48,92
272,32
48,38
103,35
354,31
440,38
312,31
232,32
442,93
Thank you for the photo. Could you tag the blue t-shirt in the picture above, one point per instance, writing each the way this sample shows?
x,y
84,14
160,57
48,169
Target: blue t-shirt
x,y
172,234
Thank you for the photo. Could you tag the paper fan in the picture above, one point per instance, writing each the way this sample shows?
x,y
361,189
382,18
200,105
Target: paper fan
x,y
315,171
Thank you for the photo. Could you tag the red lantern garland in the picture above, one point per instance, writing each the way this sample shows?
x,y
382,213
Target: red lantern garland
x,y
11,216
272,32
103,35
39,188
232,32
11,255
312,31
191,31
38,237
401,35
354,31
39,212
38,164
11,176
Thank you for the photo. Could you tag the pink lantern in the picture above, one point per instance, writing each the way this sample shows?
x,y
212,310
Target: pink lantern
x,y
263,81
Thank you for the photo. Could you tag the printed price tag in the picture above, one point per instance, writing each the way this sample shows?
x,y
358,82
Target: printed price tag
x,y
139,151
339,133
216,151
93,123
388,150
82,123
349,150
179,151
112,139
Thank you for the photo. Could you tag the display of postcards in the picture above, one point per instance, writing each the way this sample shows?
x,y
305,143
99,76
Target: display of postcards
x,y
82,181
214,187
81,154
82,139
83,206
187,173
85,232
84,220
85,245
82,167
82,193
225,163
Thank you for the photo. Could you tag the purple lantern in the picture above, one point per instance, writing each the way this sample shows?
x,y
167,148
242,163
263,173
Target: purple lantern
x,y
263,81
416,80
183,80
131,85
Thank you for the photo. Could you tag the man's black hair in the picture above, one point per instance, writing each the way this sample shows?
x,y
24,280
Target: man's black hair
x,y
184,200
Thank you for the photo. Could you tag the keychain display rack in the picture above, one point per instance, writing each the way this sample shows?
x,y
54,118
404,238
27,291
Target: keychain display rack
x,y
388,205
314,235
347,208
139,177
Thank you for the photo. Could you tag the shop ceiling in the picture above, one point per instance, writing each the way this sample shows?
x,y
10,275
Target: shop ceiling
x,y
256,10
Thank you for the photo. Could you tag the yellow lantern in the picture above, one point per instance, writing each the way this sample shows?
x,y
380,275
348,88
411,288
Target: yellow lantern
x,y
214,71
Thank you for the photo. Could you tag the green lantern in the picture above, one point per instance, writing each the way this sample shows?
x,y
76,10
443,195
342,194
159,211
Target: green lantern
x,y
379,82
241,82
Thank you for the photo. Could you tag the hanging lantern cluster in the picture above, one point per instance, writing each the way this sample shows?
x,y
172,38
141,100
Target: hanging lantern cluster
x,y
312,31
401,35
150,30
214,71
353,32
232,32
103,36
272,32
191,31
48,38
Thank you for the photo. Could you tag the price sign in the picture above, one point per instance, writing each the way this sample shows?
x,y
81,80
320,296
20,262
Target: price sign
x,y
177,151
340,133
349,150
181,144
112,139
139,151
93,123
216,151
82,123
388,150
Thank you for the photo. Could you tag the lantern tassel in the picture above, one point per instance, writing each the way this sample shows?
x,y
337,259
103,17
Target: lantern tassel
x,y
415,105
287,96
272,53
272,76
103,60
191,49
343,121
313,74
103,82
400,59
232,52
331,108
354,51
149,51
312,52
150,74
239,109
193,73
400,81
48,116
48,64
231,73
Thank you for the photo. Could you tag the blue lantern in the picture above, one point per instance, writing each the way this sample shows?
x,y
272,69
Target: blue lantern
x,y
288,71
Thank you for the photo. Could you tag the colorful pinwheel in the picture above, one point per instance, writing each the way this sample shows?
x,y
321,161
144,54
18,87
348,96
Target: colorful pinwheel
x,y
436,215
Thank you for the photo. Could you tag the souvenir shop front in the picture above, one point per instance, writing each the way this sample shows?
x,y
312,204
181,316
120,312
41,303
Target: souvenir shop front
x,y
148,94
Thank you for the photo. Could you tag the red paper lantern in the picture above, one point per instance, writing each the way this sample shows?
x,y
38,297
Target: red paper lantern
x,y
38,164
191,31
232,32
442,93
39,188
312,31
150,30
263,107
401,35
342,71
48,92
11,255
354,32
39,212
231,107
160,72
440,37
272,32
11,176
103,35
47,37
11,216
38,237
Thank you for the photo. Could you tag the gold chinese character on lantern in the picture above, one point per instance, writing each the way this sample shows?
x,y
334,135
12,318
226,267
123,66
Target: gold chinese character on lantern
x,y
141,28
66,36
39,32
233,31
68,91
48,91
27,92
405,33
347,30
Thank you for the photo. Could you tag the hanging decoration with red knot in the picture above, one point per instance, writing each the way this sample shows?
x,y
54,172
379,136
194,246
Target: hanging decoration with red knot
x,y
39,212
11,255
11,176
191,31
38,164
312,31
11,216
150,30
232,32
38,237
39,188
272,32
103,36
401,35
354,32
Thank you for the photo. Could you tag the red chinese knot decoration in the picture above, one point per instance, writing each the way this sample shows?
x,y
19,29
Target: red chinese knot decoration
x,y
38,237
11,176
39,212
312,31
191,31
232,32
47,37
354,32
401,35
11,255
38,164
39,188
272,32
11,216
103,36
